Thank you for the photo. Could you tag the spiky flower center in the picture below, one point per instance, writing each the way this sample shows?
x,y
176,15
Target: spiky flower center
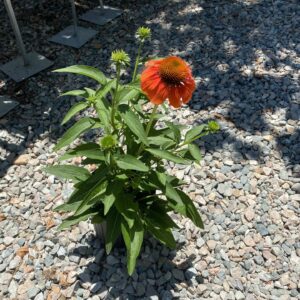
x,y
173,70
121,57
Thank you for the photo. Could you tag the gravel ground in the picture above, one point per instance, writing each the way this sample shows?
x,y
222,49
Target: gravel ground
x,y
245,56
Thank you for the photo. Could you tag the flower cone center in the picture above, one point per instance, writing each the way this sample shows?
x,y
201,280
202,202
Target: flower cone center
x,y
173,70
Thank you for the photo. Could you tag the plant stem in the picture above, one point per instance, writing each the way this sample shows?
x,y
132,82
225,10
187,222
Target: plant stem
x,y
113,109
149,125
137,61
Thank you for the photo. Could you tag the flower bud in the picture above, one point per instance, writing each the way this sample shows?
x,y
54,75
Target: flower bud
x,y
120,57
108,142
143,33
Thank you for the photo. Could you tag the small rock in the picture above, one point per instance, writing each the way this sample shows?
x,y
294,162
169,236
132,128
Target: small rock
x,y
178,274
190,273
225,189
32,292
211,244
95,287
8,240
262,229
249,214
111,260
39,296
239,295
268,255
61,253
296,188
267,171
22,160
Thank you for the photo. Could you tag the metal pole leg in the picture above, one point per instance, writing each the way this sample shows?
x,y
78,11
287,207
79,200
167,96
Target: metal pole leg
x,y
101,4
17,32
75,23
74,35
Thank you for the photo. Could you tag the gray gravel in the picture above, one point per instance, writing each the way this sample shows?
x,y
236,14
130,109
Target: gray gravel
x,y
245,57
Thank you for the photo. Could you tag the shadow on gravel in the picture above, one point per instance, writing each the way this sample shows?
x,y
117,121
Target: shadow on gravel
x,y
235,50
40,111
107,275
245,55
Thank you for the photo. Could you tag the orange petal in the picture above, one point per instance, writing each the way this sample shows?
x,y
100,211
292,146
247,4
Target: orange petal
x,y
174,97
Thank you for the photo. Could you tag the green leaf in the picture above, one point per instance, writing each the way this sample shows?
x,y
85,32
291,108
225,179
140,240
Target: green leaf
x,y
113,228
195,152
92,196
168,156
158,216
127,208
101,93
133,122
176,131
103,113
69,172
85,71
72,220
160,141
74,110
129,162
194,133
75,131
133,238
161,233
91,93
90,150
82,189
112,193
126,94
79,93
189,210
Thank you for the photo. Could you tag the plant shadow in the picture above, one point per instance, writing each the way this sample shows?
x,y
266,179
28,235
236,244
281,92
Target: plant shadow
x,y
157,273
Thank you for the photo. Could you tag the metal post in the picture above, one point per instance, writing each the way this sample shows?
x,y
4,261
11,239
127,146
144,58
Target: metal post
x,y
16,30
75,24
74,35
101,4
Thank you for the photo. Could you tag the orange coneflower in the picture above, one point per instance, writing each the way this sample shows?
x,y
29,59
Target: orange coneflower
x,y
169,78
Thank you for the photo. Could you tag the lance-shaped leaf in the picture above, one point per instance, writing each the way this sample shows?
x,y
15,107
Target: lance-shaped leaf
x,y
74,110
69,172
113,191
82,189
78,93
103,113
92,196
195,152
75,131
133,122
72,220
89,150
126,94
127,208
129,162
101,93
163,234
133,238
85,71
113,228
194,133
191,210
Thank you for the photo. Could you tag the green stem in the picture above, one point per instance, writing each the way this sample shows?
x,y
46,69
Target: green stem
x,y
149,125
137,61
113,109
